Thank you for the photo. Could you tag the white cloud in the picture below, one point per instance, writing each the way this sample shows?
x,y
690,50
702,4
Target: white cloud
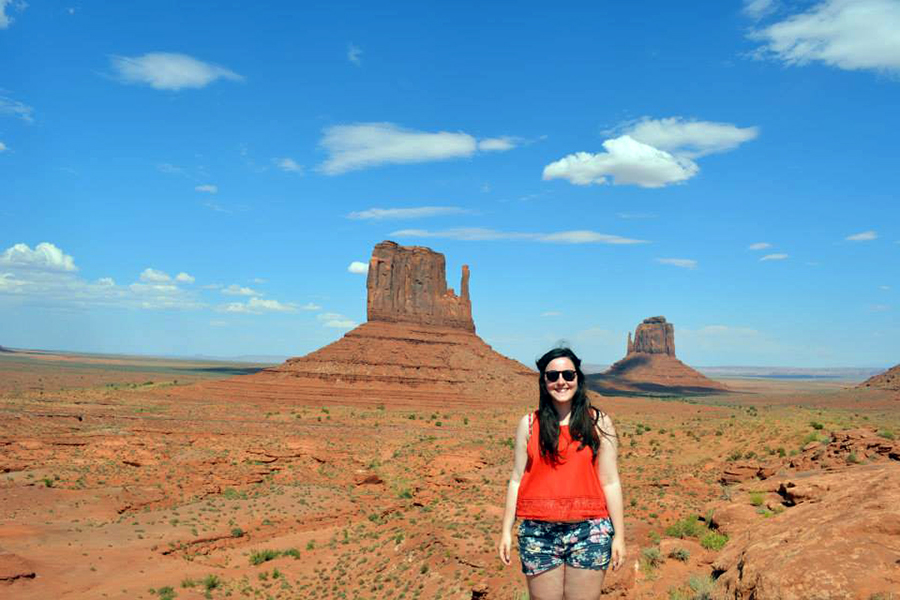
x,y
499,144
777,256
551,313
759,246
3,147
865,236
47,275
257,306
153,276
362,145
884,287
336,320
651,152
879,307
237,290
636,215
757,9
170,169
184,278
627,161
690,139
353,54
288,165
684,263
8,106
310,306
408,213
169,71
359,268
480,234
208,188
847,34
45,256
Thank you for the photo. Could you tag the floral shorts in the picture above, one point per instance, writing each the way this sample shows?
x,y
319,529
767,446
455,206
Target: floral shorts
x,y
544,545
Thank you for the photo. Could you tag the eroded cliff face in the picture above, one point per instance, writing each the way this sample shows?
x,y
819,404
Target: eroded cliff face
x,y
653,336
408,284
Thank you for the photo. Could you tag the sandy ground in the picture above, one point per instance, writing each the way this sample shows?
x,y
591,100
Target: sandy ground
x,y
112,485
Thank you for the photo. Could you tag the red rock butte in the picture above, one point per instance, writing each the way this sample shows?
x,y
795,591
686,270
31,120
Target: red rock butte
x,y
418,348
650,366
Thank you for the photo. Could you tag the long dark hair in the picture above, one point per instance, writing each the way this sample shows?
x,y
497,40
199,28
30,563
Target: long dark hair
x,y
582,420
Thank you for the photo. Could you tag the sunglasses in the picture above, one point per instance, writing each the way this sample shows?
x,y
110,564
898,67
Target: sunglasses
x,y
552,376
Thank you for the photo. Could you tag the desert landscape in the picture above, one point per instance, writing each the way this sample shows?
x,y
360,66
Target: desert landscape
x,y
376,467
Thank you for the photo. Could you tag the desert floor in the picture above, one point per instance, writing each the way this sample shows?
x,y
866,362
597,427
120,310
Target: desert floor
x,y
113,485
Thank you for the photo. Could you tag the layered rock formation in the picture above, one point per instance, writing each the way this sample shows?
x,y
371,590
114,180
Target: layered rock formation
x,y
408,284
418,348
653,336
650,366
889,380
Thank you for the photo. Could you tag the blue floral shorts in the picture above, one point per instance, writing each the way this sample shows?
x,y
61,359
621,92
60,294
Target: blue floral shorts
x,y
544,545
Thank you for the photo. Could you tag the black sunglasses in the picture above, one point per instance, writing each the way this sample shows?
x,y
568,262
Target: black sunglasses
x,y
552,376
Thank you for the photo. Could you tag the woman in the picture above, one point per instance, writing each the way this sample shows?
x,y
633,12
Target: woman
x,y
565,486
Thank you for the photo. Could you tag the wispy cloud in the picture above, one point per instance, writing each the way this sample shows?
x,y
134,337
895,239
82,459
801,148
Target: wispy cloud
x,y
149,275
354,54
759,246
776,256
551,313
498,144
650,153
480,234
288,165
636,215
847,34
17,109
336,320
237,290
184,278
256,306
357,267
865,236
5,19
684,263
3,147
169,71
170,169
362,145
757,9
310,306
208,188
417,212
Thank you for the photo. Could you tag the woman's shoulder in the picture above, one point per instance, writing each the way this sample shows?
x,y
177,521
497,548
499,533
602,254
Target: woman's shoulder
x,y
601,418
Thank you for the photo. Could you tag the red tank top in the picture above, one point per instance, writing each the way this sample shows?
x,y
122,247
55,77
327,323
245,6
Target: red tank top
x,y
567,491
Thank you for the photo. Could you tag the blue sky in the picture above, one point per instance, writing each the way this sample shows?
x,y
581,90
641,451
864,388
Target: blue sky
x,y
201,179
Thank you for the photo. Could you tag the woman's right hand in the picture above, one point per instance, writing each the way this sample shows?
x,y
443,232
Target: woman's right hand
x,y
503,547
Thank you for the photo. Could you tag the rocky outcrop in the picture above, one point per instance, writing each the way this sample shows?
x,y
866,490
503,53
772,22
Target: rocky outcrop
x,y
889,380
653,336
650,366
2,349
408,284
825,535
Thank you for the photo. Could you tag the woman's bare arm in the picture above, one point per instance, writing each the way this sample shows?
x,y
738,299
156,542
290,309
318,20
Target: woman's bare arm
x,y
512,490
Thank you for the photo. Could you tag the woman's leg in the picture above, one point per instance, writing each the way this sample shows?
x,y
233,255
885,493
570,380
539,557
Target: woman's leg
x,y
582,584
547,585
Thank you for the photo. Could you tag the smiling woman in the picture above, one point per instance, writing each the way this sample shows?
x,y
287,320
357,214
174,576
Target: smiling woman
x,y
565,487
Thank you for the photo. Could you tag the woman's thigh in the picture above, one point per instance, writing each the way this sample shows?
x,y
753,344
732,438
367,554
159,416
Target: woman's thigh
x,y
548,585
582,584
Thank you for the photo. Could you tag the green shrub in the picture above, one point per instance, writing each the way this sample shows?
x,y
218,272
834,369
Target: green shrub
x,y
687,527
886,434
680,554
166,593
188,583
756,498
651,557
237,532
816,425
713,540
258,557
211,582
293,553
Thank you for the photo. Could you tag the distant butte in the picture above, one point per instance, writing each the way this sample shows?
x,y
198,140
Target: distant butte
x,y
418,348
650,366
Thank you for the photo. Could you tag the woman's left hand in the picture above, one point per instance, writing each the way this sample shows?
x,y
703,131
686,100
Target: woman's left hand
x,y
618,553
